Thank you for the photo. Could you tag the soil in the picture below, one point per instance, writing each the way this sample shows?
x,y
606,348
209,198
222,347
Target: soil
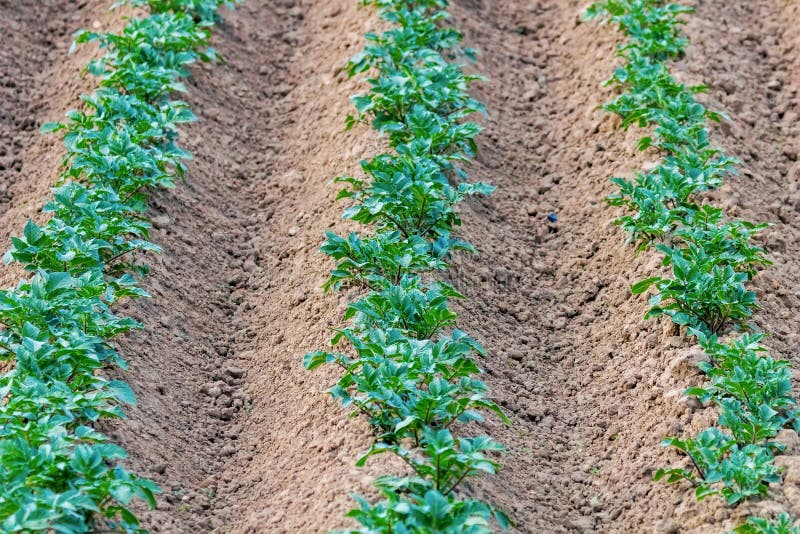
x,y
242,438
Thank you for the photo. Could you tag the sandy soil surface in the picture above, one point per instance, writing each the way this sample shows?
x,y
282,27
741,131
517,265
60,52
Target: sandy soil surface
x,y
241,437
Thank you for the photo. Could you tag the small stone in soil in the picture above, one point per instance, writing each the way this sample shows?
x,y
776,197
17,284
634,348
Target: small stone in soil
x,y
212,390
161,221
235,372
160,468
250,265
227,450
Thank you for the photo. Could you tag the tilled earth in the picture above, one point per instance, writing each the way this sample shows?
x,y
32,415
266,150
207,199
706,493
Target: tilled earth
x,y
243,439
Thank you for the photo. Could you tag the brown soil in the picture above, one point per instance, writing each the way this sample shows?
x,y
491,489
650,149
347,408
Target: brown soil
x,y
241,438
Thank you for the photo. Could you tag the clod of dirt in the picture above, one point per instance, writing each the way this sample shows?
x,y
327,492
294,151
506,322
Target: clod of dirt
x,y
161,221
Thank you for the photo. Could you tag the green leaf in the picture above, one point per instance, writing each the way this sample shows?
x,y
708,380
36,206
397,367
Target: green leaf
x,y
49,127
122,391
642,286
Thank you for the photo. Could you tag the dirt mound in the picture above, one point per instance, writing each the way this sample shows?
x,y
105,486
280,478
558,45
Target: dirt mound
x,y
240,436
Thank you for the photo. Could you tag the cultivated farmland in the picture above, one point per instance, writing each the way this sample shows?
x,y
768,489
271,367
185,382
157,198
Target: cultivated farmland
x,y
397,266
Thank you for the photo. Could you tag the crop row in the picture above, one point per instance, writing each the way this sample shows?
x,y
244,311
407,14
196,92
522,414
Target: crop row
x,y
59,472
406,367
711,259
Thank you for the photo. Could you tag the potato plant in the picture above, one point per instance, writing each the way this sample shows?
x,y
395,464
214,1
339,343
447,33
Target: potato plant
x,y
783,524
405,364
712,259
60,474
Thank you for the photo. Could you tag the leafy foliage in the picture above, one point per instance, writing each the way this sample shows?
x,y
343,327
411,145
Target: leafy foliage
x,y
56,327
711,260
783,524
411,505
406,367
705,291
720,466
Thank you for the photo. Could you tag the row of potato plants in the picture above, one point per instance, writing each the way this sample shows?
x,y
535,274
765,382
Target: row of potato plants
x,y
60,473
406,366
711,259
